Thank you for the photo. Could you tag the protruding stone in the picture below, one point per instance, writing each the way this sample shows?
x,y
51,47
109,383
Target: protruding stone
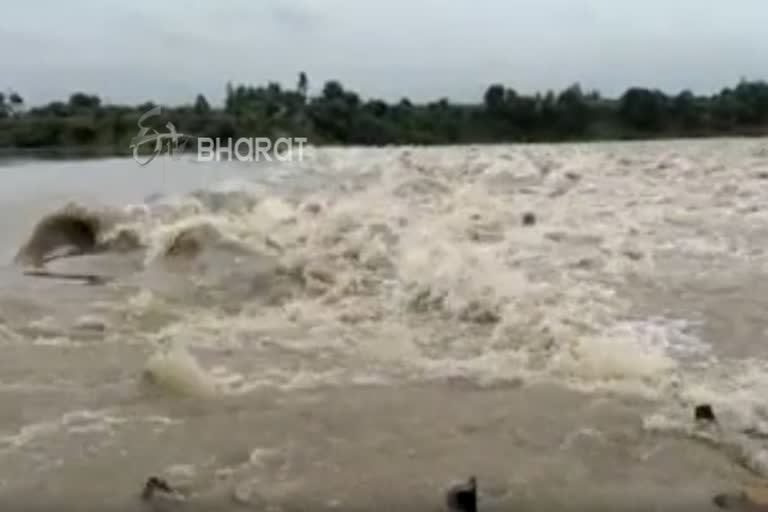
x,y
155,485
754,499
529,219
462,497
704,413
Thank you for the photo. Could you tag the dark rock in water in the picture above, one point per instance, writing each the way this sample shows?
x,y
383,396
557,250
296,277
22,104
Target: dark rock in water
x,y
728,501
529,219
312,208
463,497
89,279
705,413
749,500
155,484
573,176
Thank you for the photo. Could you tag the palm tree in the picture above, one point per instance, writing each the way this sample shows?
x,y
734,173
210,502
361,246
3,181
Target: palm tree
x,y
303,85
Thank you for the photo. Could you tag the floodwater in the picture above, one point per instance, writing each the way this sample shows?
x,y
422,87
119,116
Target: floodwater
x,y
358,330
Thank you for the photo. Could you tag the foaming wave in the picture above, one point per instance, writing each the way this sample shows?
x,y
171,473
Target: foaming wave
x,y
184,240
418,262
736,391
443,249
74,229
8,335
175,370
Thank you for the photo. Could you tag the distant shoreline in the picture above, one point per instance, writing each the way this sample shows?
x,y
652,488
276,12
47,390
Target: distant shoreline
x,y
83,127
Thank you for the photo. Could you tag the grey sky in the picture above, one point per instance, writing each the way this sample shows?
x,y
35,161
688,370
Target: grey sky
x,y
170,50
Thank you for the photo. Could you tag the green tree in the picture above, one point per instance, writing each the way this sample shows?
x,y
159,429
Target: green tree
x,y
303,85
686,112
643,109
15,103
574,113
83,101
201,106
333,90
494,98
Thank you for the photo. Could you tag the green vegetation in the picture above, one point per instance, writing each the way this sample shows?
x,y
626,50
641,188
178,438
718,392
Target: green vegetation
x,y
84,125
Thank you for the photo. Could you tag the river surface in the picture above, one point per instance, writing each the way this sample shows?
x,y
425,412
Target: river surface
x,y
360,329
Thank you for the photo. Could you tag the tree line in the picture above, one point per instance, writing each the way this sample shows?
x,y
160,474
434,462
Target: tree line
x,y
336,115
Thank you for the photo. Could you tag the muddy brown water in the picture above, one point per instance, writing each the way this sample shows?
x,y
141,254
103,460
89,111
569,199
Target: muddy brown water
x,y
359,330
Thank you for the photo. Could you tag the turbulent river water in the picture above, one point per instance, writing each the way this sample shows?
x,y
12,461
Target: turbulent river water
x,y
360,329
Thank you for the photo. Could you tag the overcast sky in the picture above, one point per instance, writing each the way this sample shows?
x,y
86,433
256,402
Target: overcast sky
x,y
169,50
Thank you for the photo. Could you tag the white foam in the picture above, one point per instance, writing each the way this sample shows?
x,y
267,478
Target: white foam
x,y
77,420
174,369
414,263
671,336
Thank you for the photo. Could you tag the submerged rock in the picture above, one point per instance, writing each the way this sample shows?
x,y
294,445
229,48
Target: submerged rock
x,y
751,499
529,219
462,497
157,489
705,413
